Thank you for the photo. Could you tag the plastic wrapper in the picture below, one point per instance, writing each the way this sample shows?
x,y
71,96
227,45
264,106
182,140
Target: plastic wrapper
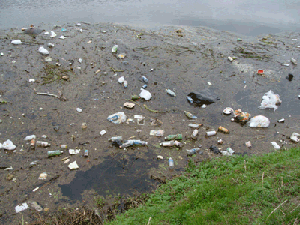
x,y
270,101
259,121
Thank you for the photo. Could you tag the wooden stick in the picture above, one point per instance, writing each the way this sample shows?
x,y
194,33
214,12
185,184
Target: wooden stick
x,y
149,220
262,179
245,165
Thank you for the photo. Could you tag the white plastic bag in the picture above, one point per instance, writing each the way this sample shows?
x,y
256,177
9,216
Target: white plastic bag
x,y
259,121
43,51
270,101
8,145
73,166
145,94
16,42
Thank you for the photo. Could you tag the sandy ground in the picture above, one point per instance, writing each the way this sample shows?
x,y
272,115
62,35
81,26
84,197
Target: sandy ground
x,y
182,59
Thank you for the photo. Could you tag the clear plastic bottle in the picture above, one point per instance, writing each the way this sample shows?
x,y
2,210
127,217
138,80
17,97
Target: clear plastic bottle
x,y
42,144
171,143
114,48
145,79
192,151
133,143
54,153
171,163
174,137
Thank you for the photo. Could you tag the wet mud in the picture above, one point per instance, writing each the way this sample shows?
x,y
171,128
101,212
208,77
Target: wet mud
x,y
183,59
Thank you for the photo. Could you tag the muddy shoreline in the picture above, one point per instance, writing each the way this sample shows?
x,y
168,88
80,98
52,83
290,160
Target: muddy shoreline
x,y
182,59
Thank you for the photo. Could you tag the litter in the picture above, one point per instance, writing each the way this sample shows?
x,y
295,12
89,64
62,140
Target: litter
x,y
223,129
50,45
31,80
53,34
192,151
43,176
190,115
170,92
36,206
248,144
140,119
145,94
157,133
22,207
228,111
114,48
260,72
117,118
133,143
43,51
16,42
62,37
74,151
121,79
270,101
80,60
276,146
73,166
173,137
294,137
210,133
281,120
102,132
171,162
121,56
259,121
129,105
79,110
192,125
240,116
160,157
214,149
8,145
294,61
171,143
28,138
228,152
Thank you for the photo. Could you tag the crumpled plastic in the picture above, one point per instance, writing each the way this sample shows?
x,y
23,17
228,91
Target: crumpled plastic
x,y
259,121
117,118
73,166
43,51
145,94
270,101
8,145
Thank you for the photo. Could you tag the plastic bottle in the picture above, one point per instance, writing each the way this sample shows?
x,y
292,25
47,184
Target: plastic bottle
x,y
114,48
190,115
171,143
190,99
195,133
174,137
192,151
170,92
133,143
86,153
145,79
116,138
211,133
223,129
54,153
145,86
171,162
42,144
192,125
64,146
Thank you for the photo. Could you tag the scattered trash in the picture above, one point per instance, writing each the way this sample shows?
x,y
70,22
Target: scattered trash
x,y
34,190
192,151
276,146
134,97
43,176
1,53
248,144
31,80
133,143
157,133
260,72
62,37
64,146
42,144
145,79
259,121
190,115
223,129
220,141
281,120
145,94
286,64
160,157
192,125
117,118
53,34
102,132
294,137
240,116
48,59
22,207
74,151
203,97
209,83
30,137
36,206
54,153
125,84
170,92
114,48
228,111
121,80
214,149
190,100
129,105
8,145
86,153
294,61
171,143
121,56
140,119
228,152
174,137
83,126
73,166
43,51
171,162
79,110
63,29
50,45
195,133
290,77
211,133
80,60
16,42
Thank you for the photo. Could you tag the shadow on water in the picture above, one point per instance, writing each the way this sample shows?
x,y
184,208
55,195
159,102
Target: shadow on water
x,y
122,174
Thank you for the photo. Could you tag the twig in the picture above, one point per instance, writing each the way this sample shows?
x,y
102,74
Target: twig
x,y
116,70
60,96
295,208
149,220
151,110
276,208
262,179
245,165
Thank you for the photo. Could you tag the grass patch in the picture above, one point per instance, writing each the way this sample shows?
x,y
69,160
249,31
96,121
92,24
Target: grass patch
x,y
54,73
228,190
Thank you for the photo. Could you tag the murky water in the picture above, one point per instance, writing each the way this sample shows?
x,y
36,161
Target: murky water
x,y
247,17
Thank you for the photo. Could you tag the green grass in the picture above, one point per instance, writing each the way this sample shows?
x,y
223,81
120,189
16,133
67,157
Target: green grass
x,y
228,190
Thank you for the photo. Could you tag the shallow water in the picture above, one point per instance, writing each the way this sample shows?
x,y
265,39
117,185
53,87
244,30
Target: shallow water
x,y
245,17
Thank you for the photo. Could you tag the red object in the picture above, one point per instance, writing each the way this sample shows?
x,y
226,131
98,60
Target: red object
x,y
260,71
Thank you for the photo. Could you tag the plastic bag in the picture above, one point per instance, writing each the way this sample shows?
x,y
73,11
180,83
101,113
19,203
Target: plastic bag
x,y
145,94
259,121
117,118
8,145
270,101
43,51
